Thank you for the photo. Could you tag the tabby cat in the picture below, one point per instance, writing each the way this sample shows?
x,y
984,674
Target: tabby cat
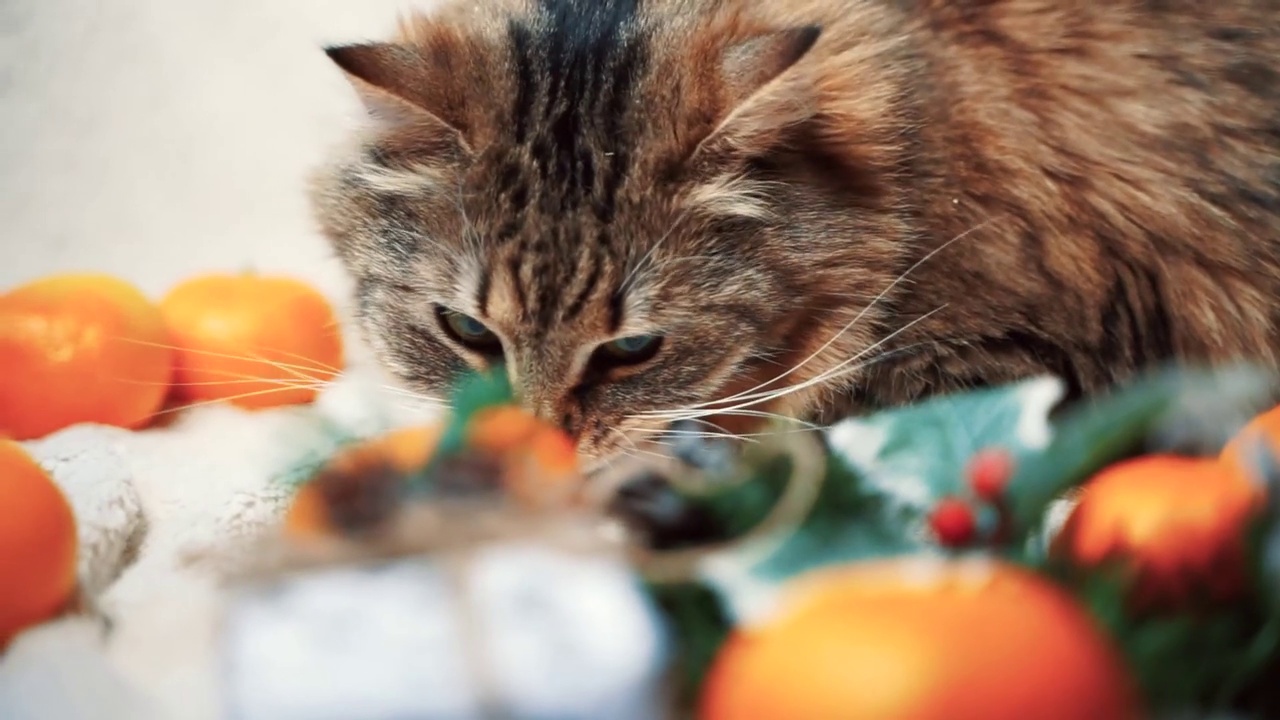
x,y
723,209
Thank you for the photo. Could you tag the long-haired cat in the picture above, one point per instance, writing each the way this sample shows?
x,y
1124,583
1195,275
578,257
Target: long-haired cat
x,y
722,209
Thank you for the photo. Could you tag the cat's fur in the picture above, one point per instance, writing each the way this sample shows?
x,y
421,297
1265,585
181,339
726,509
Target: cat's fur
x,y
874,199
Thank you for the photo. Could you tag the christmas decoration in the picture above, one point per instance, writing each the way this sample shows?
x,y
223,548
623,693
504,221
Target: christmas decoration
x,y
319,507
445,571
911,563
489,447
894,480
503,628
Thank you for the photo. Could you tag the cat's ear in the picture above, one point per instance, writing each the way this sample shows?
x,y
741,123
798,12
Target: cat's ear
x,y
756,106
393,82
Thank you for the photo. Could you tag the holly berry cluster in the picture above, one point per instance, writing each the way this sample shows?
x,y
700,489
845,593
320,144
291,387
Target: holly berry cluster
x,y
959,521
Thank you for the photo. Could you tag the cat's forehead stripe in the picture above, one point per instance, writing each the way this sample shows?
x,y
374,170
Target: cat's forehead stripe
x,y
527,286
576,65
590,277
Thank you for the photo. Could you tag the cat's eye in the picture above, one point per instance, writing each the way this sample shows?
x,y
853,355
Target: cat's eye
x,y
468,331
632,349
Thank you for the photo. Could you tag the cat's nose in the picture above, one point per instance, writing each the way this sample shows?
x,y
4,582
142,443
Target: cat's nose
x,y
557,413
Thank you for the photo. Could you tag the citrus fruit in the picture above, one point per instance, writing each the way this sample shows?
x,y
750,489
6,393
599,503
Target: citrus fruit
x,y
1263,429
920,639
401,451
255,341
37,544
80,348
1177,523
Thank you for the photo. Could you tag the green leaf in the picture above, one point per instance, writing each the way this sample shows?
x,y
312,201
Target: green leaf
x,y
884,475
915,455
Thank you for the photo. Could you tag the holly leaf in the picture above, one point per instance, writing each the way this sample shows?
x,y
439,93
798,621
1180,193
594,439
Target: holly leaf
x,y
916,455
885,473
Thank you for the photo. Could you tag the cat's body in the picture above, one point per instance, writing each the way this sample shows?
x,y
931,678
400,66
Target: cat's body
x,y
644,206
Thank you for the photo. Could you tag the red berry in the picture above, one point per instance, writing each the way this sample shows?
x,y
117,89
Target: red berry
x,y
989,473
953,522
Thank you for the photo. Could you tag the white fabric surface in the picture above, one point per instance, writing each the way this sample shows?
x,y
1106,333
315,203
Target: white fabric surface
x,y
150,504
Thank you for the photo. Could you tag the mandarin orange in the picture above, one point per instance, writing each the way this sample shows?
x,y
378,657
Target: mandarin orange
x,y
38,544
1178,524
255,341
919,639
80,348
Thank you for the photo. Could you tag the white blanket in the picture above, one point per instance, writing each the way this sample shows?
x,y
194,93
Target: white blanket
x,y
149,505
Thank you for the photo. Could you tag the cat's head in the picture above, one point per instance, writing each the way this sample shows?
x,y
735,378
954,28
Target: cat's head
x,y
638,208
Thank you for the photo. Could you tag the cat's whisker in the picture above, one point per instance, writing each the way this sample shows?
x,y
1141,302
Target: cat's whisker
x,y
753,437
829,374
783,392
805,426
635,447
737,437
221,401
832,373
232,376
682,415
857,318
299,371
223,383
698,433
412,395
305,359
415,406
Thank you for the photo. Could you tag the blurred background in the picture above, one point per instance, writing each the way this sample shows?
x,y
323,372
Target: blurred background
x,y
158,139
